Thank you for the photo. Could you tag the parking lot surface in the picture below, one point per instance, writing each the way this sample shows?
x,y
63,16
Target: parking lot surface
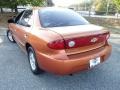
x,y
15,73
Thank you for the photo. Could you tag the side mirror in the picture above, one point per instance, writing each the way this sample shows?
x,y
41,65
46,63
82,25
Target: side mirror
x,y
12,20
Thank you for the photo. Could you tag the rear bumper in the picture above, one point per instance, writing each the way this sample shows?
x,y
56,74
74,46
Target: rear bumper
x,y
76,63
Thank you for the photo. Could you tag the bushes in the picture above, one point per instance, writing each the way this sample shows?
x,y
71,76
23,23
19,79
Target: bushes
x,y
104,21
104,12
105,7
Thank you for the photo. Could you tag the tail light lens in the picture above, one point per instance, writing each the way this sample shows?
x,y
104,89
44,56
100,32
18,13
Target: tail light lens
x,y
58,44
78,42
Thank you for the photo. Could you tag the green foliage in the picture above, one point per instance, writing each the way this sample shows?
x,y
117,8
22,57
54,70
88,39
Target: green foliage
x,y
100,5
14,3
112,7
35,2
4,3
117,4
104,6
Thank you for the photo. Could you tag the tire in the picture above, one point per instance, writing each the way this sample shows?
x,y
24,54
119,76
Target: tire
x,y
10,36
33,62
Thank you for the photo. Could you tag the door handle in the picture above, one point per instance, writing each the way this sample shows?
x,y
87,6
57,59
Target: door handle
x,y
25,35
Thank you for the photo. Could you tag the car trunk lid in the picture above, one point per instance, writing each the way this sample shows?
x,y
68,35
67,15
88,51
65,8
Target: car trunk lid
x,y
82,38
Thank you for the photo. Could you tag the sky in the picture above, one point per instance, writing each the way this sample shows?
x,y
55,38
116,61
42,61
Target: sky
x,y
67,2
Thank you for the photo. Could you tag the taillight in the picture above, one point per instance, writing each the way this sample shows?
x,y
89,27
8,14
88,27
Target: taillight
x,y
58,44
78,42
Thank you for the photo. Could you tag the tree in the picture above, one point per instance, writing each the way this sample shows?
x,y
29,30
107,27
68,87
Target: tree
x,y
49,3
14,3
104,7
11,4
90,6
34,2
117,4
26,2
1,5
100,5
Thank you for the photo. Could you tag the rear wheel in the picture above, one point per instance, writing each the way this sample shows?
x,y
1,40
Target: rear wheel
x,y
10,36
33,62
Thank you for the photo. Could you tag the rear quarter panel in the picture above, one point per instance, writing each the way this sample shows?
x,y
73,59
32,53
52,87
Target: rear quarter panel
x,y
39,40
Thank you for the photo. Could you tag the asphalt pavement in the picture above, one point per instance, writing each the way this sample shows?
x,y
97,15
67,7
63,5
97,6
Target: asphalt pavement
x,y
15,73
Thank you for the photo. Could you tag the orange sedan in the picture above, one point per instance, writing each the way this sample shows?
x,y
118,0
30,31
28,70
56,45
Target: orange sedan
x,y
59,40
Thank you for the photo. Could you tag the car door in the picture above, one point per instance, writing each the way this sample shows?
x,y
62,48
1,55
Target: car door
x,y
23,27
12,26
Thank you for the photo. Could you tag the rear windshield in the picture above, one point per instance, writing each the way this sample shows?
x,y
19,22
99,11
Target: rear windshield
x,y
58,17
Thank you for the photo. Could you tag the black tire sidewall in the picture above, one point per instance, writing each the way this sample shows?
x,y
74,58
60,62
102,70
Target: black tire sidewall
x,y
8,31
36,71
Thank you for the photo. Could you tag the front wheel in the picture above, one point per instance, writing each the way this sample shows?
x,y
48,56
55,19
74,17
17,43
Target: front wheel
x,y
33,62
10,36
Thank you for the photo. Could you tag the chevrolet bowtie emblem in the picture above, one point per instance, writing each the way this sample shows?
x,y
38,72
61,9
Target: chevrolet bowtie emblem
x,y
93,40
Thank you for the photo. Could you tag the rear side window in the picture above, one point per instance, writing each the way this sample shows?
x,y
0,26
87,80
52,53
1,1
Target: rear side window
x,y
58,17
25,17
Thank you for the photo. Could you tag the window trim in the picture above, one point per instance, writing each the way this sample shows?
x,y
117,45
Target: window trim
x,y
20,16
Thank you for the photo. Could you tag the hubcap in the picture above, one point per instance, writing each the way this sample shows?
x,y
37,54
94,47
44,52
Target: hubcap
x,y
10,36
32,60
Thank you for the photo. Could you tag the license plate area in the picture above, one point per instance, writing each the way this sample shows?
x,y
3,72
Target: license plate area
x,y
94,62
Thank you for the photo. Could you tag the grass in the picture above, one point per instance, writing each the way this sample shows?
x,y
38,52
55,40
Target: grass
x,y
4,18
